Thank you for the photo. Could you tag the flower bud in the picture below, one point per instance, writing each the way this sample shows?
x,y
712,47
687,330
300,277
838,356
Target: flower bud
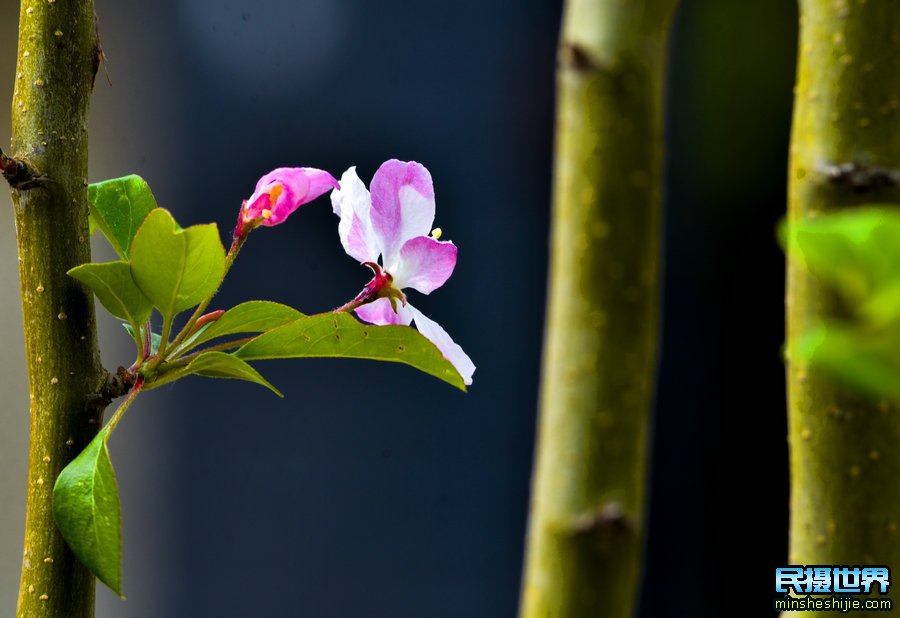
x,y
281,192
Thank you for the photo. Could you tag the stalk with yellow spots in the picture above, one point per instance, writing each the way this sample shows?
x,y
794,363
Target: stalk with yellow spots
x,y
845,151
57,59
585,540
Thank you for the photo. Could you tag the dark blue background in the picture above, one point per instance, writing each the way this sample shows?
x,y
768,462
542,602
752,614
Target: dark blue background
x,y
372,490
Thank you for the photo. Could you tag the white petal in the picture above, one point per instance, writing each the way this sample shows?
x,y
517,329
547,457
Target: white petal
x,y
449,348
352,204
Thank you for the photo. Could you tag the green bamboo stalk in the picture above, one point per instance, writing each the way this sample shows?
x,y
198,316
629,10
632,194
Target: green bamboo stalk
x,y
57,60
586,527
845,461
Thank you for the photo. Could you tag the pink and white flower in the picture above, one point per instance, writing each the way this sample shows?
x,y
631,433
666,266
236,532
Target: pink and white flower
x,y
281,192
393,223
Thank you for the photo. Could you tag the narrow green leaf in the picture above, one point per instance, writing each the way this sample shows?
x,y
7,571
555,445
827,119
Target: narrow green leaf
x,y
222,365
118,207
155,338
86,509
175,268
188,343
116,290
340,335
255,316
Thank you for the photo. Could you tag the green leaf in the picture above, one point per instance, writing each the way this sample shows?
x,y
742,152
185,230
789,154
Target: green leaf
x,y
340,335
118,207
86,509
255,316
175,268
220,365
116,290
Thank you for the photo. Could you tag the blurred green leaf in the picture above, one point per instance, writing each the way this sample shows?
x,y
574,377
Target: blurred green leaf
x,y
339,335
118,207
868,362
116,290
175,268
86,509
882,307
856,252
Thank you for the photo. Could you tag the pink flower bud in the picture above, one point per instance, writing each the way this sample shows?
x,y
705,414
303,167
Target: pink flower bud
x,y
281,192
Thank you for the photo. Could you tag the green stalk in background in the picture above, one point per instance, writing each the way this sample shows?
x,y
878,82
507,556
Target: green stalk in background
x,y
57,60
845,151
586,526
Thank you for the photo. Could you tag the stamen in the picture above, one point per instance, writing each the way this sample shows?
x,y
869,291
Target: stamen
x,y
275,192
436,233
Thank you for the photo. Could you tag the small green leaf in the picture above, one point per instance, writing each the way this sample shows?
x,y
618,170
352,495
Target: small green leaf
x,y
219,365
255,316
175,268
340,335
118,207
116,290
86,509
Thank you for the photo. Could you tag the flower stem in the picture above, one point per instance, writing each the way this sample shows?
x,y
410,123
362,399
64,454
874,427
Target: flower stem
x,y
163,342
359,301
586,529
49,137
381,286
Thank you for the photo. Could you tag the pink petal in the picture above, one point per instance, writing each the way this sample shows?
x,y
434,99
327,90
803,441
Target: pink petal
x,y
425,264
380,312
449,348
402,206
320,182
299,185
351,202
252,208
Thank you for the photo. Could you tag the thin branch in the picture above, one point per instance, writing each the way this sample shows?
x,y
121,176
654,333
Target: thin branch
x,y
845,152
585,539
54,74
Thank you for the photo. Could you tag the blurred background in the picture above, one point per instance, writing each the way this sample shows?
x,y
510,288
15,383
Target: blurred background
x,y
373,490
